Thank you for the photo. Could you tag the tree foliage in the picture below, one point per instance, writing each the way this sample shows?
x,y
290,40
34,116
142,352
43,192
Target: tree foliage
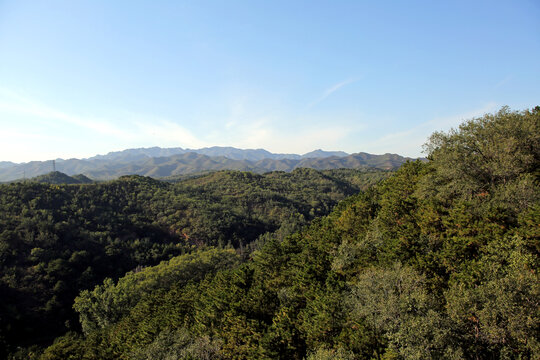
x,y
57,240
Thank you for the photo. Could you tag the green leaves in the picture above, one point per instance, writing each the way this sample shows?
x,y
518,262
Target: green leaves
x,y
395,303
486,151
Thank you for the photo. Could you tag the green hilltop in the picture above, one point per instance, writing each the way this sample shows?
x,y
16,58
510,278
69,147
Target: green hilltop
x,y
57,177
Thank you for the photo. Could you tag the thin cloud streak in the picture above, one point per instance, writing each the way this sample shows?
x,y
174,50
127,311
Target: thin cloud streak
x,y
332,90
503,82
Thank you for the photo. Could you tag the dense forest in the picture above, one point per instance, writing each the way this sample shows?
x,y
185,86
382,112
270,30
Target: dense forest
x,y
57,240
438,260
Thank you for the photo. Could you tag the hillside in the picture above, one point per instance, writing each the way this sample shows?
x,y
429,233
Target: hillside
x,y
440,261
57,240
57,177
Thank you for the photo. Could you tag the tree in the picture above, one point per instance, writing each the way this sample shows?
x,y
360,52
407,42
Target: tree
x,y
396,305
485,152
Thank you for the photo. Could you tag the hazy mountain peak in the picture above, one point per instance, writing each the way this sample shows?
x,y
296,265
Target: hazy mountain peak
x,y
6,164
319,153
225,151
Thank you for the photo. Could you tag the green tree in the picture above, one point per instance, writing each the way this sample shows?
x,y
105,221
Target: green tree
x,y
396,305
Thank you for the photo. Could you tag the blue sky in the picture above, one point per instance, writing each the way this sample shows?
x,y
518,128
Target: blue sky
x,y
79,78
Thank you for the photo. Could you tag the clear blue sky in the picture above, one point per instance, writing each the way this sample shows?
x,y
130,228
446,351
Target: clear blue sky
x,y
78,78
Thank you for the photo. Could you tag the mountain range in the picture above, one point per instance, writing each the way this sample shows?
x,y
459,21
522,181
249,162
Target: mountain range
x,y
166,162
228,152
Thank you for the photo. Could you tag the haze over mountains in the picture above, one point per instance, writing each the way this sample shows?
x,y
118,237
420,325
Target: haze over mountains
x,y
165,162
228,152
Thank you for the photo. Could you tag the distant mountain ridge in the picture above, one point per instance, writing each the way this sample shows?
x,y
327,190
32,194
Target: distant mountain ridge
x,y
163,162
228,152
6,164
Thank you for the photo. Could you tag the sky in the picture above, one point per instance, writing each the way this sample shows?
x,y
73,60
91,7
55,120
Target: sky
x,y
80,78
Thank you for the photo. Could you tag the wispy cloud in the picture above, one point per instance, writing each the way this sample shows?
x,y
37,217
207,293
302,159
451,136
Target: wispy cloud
x,y
409,142
294,142
250,122
168,133
332,89
41,132
503,82
444,123
274,135
15,104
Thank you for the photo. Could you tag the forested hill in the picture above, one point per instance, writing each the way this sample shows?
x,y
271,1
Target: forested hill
x,y
57,177
56,240
141,163
440,260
